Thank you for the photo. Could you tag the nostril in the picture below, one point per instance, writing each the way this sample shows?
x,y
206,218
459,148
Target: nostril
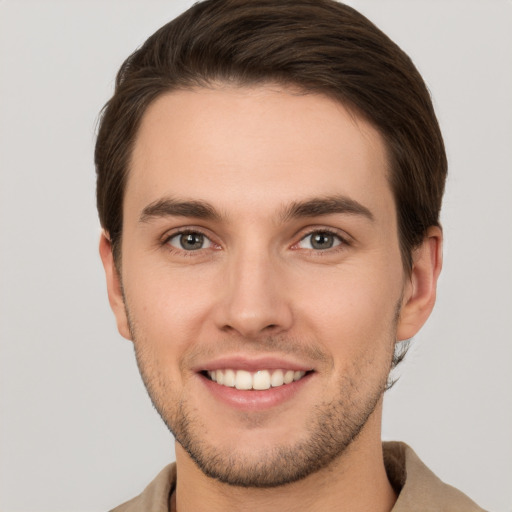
x,y
271,328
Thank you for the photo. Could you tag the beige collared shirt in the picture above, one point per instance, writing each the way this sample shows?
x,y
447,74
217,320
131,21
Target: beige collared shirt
x,y
419,489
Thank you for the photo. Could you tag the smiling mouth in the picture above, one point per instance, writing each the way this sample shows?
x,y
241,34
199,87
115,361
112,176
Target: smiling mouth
x,y
259,380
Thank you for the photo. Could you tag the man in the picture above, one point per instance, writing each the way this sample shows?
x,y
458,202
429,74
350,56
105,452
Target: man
x,y
270,177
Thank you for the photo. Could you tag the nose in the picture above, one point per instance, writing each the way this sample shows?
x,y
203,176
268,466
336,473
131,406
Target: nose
x,y
254,299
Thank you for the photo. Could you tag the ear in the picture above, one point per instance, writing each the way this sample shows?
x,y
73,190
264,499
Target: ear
x,y
420,290
114,289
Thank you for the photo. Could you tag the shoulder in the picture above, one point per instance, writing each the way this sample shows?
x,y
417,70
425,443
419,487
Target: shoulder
x,y
418,487
155,496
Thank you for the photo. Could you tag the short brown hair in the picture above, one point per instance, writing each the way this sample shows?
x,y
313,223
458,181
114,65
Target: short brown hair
x,y
319,46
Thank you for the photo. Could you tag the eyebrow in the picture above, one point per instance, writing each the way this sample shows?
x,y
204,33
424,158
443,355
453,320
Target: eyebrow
x,y
328,205
314,207
170,207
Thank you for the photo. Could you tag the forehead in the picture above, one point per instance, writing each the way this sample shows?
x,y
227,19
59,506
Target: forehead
x,y
258,147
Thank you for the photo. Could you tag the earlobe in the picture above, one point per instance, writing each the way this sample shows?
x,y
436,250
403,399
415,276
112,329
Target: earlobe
x,y
114,289
420,291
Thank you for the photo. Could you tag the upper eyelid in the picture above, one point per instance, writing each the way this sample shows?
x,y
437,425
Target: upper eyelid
x,y
171,233
341,242
186,232
299,236
177,251
331,231
341,234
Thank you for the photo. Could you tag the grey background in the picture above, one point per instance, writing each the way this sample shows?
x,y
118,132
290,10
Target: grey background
x,y
77,432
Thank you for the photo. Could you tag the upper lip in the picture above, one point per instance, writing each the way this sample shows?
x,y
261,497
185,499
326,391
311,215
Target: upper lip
x,y
252,364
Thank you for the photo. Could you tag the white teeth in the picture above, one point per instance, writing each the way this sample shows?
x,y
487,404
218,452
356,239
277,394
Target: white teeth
x,y
298,375
288,376
277,379
243,379
229,378
259,380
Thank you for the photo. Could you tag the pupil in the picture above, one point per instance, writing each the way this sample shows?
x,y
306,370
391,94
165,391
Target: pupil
x,y
191,241
322,241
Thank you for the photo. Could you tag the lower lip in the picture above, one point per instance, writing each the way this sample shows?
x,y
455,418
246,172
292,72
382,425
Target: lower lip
x,y
255,400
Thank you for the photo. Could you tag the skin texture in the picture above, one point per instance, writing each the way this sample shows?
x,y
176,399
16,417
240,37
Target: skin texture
x,y
257,288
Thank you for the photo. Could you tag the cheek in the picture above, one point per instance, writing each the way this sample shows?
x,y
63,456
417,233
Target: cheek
x,y
352,310
169,307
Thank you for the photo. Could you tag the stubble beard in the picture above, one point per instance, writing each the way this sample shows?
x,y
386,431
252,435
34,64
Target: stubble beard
x,y
331,428
329,432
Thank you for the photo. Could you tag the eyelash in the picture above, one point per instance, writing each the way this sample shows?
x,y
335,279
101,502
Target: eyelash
x,y
188,231
343,241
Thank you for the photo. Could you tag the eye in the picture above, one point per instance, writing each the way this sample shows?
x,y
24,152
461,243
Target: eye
x,y
189,241
320,240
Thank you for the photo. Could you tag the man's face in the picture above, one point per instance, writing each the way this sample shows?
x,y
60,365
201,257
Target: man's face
x,y
260,250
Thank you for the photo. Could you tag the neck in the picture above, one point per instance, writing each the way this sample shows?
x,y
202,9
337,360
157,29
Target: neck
x,y
356,482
